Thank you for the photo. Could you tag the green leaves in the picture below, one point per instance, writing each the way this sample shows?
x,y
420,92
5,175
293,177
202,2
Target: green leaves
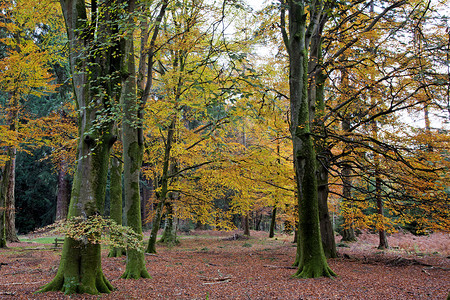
x,y
99,230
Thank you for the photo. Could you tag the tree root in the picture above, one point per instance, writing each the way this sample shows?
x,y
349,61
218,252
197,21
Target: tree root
x,y
72,286
314,270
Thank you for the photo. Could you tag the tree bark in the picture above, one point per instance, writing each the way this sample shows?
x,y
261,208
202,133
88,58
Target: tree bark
x,y
116,168
326,228
169,236
133,151
273,222
3,188
63,195
312,261
316,95
246,224
10,217
383,243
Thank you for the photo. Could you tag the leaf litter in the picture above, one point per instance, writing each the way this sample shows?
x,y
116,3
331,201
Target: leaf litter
x,y
210,265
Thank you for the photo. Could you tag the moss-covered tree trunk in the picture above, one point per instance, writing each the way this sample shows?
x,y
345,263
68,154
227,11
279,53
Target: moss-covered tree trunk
x,y
312,260
115,170
80,266
316,95
169,235
133,150
92,49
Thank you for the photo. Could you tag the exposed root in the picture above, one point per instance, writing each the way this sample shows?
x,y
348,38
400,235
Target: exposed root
x,y
314,270
72,286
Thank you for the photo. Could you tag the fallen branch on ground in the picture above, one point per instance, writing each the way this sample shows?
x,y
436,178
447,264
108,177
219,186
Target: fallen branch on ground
x,y
215,279
280,267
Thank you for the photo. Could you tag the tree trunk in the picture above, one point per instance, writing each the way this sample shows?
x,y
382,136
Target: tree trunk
x,y
312,260
326,228
91,69
316,93
246,224
151,247
169,236
273,222
10,217
3,188
348,232
80,266
133,151
63,195
115,167
147,190
383,243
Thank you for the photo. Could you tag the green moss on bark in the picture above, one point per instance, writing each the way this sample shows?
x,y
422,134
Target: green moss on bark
x,y
135,266
79,270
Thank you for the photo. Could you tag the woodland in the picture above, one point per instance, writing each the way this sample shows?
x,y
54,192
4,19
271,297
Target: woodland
x,y
147,139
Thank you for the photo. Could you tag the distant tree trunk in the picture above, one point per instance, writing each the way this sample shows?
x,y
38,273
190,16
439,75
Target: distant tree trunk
x,y
151,247
10,217
383,243
348,232
63,194
147,190
246,224
169,236
312,261
3,189
116,168
12,118
273,222
257,220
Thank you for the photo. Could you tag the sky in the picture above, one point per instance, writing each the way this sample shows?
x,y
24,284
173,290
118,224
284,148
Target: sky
x,y
256,4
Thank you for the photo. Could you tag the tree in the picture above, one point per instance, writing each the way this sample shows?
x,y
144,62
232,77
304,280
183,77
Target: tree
x,y
133,149
93,45
24,72
311,257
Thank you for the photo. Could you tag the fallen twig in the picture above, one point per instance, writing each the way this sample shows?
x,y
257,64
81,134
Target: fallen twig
x,y
17,283
423,270
215,282
280,267
216,278
438,268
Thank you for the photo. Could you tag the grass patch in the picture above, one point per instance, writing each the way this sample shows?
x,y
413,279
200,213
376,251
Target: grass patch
x,y
41,240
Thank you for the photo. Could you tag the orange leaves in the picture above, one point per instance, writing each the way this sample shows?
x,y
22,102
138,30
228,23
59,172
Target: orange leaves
x,y
24,71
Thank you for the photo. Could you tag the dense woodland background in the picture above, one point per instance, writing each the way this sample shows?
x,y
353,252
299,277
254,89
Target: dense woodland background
x,y
214,114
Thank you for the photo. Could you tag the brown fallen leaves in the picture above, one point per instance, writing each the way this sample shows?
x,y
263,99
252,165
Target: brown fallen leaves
x,y
205,266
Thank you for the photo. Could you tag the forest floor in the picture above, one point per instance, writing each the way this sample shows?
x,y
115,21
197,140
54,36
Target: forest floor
x,y
212,265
